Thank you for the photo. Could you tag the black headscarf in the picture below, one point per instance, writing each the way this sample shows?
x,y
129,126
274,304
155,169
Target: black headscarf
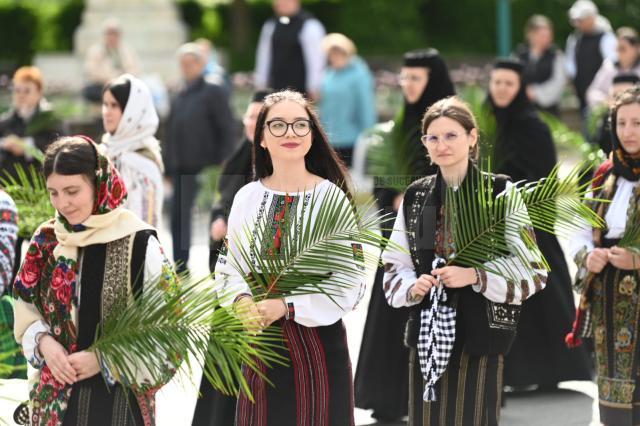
x,y
624,164
438,87
524,148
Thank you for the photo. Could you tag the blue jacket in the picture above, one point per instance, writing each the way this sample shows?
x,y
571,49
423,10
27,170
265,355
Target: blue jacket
x,y
347,102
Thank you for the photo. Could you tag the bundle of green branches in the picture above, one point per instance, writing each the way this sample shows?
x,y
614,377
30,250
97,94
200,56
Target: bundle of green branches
x,y
316,253
29,192
157,331
482,223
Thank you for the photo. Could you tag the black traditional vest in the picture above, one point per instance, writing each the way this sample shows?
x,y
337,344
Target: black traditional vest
x,y
588,61
540,70
537,72
288,68
484,327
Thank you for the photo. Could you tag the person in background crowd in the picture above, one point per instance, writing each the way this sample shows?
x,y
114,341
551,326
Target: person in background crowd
x,y
107,60
524,151
602,136
213,408
289,54
213,72
586,48
130,122
628,62
607,273
30,123
200,133
543,73
381,380
347,97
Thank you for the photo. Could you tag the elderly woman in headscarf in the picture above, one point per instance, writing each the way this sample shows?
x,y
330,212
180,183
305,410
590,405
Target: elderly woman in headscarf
x,y
130,121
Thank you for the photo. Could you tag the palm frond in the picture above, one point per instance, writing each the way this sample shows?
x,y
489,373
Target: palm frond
x,y
316,255
392,157
29,191
631,237
482,224
158,330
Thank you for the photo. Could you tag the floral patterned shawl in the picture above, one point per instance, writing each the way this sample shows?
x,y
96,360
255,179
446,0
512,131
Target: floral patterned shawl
x,y
47,281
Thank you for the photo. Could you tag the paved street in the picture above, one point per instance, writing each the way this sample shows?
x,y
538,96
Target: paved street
x,y
570,405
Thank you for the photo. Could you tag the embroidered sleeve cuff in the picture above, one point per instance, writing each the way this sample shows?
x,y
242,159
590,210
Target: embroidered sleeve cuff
x,y
290,314
481,284
30,342
106,373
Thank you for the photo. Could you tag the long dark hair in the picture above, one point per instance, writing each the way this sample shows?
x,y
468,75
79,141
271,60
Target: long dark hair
x,y
71,155
321,159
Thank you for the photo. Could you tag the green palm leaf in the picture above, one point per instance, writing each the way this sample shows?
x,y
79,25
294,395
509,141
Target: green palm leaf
x,y
631,237
482,224
29,192
314,256
159,329
391,155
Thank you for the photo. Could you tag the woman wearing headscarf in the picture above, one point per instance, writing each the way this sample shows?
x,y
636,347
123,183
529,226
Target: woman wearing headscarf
x,y
130,120
80,268
608,270
524,150
381,380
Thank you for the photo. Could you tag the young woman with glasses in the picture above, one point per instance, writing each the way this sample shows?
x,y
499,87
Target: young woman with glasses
x,y
485,304
293,163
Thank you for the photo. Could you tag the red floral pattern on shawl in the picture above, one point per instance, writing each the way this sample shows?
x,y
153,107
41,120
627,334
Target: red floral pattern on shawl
x,y
50,285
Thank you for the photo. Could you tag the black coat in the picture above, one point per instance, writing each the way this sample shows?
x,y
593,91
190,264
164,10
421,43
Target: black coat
x,y
236,173
43,126
525,151
200,130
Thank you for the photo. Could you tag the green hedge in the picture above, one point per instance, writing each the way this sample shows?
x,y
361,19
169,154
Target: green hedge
x,y
19,31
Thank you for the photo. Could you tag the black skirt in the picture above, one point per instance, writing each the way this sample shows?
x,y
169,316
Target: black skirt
x,y
314,388
92,402
381,381
468,393
539,355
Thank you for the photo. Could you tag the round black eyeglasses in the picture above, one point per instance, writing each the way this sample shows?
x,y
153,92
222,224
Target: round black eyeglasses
x,y
278,128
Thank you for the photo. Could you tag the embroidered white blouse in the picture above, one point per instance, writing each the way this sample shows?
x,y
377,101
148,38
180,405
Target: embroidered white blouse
x,y
616,218
255,203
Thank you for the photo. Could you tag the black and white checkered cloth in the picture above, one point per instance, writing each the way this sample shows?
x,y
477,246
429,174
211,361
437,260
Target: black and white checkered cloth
x,y
437,335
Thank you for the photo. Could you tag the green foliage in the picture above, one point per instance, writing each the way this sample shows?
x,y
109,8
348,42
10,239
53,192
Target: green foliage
x,y
19,31
482,224
159,330
591,154
208,187
313,257
202,21
65,21
391,156
29,192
